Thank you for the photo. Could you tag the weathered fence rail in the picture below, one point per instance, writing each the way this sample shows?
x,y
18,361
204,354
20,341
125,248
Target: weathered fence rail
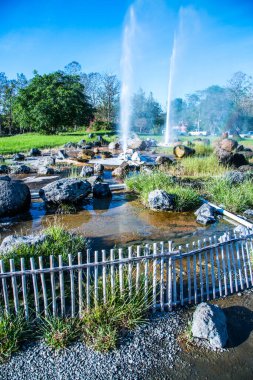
x,y
166,275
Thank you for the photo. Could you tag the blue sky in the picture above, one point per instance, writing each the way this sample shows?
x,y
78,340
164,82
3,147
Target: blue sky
x,y
214,39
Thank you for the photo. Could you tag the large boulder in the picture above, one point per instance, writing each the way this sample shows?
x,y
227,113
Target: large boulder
x,y
34,152
13,241
209,323
66,190
18,157
161,200
228,144
4,169
121,171
137,144
102,190
85,155
237,177
114,145
205,214
21,169
15,197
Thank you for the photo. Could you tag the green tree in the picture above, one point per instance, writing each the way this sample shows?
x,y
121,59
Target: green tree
x,y
108,99
52,103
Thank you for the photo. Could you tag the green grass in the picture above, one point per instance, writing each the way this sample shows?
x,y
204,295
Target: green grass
x,y
101,326
13,331
186,198
24,142
58,242
234,198
58,333
198,167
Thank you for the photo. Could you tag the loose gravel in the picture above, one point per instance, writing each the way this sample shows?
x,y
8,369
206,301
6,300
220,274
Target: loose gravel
x,y
148,347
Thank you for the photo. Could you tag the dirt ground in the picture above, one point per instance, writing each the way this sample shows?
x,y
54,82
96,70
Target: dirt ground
x,y
236,363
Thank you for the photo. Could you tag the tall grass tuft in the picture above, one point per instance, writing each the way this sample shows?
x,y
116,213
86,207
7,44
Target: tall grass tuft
x,y
198,167
13,331
235,198
58,333
186,198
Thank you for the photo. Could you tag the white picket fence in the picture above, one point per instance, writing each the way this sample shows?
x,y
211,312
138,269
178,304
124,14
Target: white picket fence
x,y
167,276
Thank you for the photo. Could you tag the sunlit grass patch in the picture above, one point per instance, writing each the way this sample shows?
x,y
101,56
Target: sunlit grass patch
x,y
186,198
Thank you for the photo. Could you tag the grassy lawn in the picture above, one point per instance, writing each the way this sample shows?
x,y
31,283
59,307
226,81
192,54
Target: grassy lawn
x,y
24,142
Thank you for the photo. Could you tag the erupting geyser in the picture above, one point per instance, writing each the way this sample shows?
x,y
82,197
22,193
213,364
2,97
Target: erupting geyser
x,y
168,130
127,77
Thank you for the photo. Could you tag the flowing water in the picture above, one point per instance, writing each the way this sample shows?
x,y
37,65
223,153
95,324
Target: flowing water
x,y
127,77
168,129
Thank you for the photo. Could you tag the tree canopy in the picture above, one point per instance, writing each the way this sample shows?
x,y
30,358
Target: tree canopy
x,y
52,103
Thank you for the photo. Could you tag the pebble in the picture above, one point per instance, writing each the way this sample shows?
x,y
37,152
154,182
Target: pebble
x,y
149,346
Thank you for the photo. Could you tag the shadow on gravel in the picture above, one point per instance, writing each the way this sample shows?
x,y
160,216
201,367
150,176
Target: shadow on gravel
x,y
239,324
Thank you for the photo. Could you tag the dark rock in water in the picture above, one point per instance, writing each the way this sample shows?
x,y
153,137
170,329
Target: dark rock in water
x,y
66,190
34,152
106,155
70,145
93,180
4,169
22,169
2,159
162,160
18,157
102,190
161,200
15,197
205,214
87,171
61,155
5,178
209,323
99,168
13,241
236,177
44,170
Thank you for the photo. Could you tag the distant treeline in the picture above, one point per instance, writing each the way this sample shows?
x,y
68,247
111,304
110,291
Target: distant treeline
x,y
71,99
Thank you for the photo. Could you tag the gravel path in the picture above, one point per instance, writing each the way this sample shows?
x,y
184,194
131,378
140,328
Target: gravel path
x,y
150,346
